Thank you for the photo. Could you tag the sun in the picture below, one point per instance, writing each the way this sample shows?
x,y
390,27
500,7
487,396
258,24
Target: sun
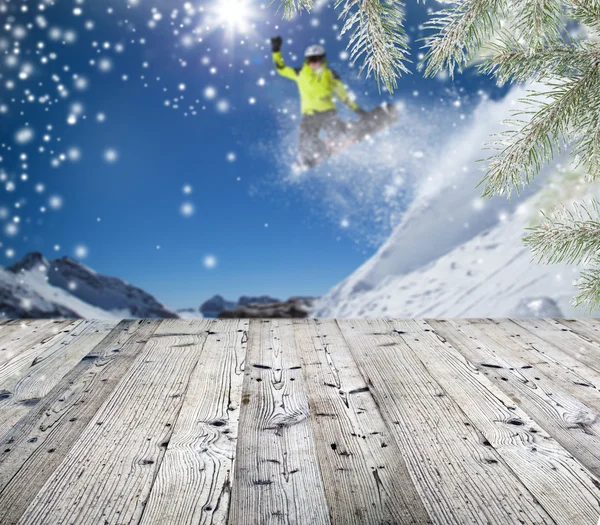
x,y
236,16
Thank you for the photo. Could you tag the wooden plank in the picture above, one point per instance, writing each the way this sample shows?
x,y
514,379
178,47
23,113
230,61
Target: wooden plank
x,y
7,323
462,478
365,476
583,349
569,421
590,321
21,343
589,331
277,477
108,474
57,421
177,327
54,358
548,351
526,350
16,328
194,482
557,481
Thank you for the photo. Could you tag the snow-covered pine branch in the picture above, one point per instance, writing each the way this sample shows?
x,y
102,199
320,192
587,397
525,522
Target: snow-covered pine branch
x,y
554,122
460,33
527,40
514,62
586,11
377,34
565,235
292,7
537,22
589,284
572,237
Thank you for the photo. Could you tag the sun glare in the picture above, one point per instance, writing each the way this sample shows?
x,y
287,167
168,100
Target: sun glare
x,y
234,15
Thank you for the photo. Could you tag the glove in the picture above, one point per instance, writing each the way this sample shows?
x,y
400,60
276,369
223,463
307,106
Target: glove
x,y
276,44
361,112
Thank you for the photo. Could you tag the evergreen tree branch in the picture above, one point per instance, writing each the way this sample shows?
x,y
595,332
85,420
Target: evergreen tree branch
x,y
589,284
567,236
524,151
586,147
460,33
587,12
514,62
378,35
537,22
292,7
572,237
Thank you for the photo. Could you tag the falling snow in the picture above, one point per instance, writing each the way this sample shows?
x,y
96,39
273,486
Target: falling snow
x,y
225,39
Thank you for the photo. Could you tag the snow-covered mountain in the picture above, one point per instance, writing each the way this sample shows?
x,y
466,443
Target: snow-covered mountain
x,y
457,255
35,287
490,275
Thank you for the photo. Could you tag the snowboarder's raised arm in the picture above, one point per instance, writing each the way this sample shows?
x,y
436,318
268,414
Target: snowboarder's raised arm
x,y
341,93
282,69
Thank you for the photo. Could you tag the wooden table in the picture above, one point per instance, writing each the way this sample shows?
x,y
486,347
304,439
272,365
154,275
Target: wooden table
x,y
371,421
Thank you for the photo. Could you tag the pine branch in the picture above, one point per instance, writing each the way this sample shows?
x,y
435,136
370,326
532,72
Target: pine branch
x,y
461,31
537,22
525,151
586,147
587,12
292,7
567,236
514,62
572,237
377,34
589,284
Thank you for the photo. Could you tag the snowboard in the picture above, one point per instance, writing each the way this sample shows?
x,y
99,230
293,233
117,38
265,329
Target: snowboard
x,y
372,122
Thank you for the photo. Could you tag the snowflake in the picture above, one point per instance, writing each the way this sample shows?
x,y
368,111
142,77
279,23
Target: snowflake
x,y
210,261
81,251
187,209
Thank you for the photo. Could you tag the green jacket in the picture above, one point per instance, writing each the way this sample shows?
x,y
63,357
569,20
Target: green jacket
x,y
316,89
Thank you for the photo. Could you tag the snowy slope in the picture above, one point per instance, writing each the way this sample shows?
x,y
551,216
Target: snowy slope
x,y
455,254
36,287
490,275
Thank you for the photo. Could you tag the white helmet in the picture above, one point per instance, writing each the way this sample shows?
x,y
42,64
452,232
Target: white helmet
x,y
314,51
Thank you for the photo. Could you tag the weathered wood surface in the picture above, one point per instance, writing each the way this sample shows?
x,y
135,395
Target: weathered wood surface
x,y
373,421
277,478
195,478
365,475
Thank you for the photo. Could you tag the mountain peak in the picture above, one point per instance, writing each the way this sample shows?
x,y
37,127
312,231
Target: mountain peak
x,y
33,260
67,287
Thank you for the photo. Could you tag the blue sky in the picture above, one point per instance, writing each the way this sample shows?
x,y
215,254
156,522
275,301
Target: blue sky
x,y
154,129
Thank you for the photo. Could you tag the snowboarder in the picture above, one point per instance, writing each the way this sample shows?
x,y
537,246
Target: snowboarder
x,y
317,85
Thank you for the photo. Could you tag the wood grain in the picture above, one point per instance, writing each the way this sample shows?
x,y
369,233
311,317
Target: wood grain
x,y
36,446
194,483
546,470
107,475
585,350
16,329
586,328
21,344
364,474
26,382
526,351
563,417
277,477
558,407
462,478
372,421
